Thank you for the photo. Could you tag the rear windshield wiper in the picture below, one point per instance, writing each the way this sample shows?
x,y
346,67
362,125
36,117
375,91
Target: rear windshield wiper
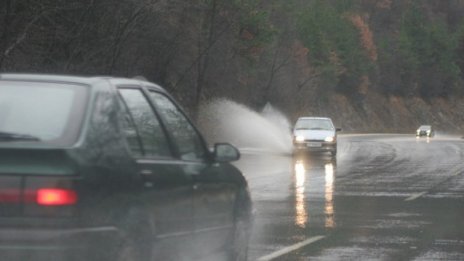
x,y
301,129
9,136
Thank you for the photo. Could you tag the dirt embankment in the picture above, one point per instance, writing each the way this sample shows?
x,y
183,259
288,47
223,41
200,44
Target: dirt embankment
x,y
379,113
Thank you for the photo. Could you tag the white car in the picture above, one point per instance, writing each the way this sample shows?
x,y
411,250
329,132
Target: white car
x,y
315,134
425,130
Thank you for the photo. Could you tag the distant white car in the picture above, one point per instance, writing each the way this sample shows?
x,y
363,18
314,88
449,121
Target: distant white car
x,y
315,134
425,130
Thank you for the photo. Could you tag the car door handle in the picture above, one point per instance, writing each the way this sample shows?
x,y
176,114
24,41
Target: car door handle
x,y
146,172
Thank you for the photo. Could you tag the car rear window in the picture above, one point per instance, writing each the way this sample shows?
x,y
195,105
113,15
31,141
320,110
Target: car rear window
x,y
39,112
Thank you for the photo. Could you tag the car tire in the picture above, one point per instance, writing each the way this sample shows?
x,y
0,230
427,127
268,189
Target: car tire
x,y
240,236
133,248
128,251
239,245
136,243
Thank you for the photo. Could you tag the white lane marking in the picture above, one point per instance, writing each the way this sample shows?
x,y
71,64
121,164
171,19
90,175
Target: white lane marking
x,y
289,249
415,196
418,195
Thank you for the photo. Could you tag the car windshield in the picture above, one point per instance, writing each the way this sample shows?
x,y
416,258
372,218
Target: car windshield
x,y
314,124
425,127
39,112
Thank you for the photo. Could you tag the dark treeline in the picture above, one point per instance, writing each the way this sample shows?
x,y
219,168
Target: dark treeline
x,y
293,53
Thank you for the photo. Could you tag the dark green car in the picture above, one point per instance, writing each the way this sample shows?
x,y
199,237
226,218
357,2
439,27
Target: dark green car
x,y
106,168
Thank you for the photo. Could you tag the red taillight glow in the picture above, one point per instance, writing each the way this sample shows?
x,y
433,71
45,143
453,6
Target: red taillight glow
x,y
56,197
10,196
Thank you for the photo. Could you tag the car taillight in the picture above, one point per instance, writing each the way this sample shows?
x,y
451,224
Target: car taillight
x,y
10,195
56,197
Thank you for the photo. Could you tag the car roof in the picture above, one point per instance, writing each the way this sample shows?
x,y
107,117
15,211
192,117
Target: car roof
x,y
87,80
314,118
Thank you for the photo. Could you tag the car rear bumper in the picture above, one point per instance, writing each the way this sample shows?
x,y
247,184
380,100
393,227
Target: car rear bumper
x,y
56,244
313,146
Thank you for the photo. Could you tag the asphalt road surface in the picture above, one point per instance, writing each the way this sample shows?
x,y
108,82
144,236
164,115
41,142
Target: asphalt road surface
x,y
385,197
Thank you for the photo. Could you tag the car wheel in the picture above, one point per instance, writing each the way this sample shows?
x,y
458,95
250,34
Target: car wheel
x,y
128,251
132,249
136,243
239,244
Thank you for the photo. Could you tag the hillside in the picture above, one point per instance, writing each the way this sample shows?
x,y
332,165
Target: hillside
x,y
384,65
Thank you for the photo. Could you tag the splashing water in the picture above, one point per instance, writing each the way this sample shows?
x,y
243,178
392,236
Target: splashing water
x,y
278,118
226,121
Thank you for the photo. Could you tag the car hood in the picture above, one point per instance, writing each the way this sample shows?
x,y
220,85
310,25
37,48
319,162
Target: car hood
x,y
314,134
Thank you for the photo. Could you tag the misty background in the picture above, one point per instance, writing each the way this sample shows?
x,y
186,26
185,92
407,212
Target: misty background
x,y
383,66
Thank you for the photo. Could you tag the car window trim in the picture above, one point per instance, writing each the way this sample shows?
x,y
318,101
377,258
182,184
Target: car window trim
x,y
163,127
139,139
207,157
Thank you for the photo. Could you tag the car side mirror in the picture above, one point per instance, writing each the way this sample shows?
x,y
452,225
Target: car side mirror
x,y
225,152
338,129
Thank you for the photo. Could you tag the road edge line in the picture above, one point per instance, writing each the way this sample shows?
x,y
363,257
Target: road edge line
x,y
289,249
415,196
418,195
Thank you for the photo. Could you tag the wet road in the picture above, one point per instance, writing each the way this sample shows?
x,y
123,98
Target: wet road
x,y
385,197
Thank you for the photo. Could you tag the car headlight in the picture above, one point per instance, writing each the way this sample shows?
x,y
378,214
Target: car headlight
x,y
299,138
329,139
428,132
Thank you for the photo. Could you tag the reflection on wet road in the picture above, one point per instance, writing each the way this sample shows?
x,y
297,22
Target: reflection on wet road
x,y
385,197
301,216
329,208
301,169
